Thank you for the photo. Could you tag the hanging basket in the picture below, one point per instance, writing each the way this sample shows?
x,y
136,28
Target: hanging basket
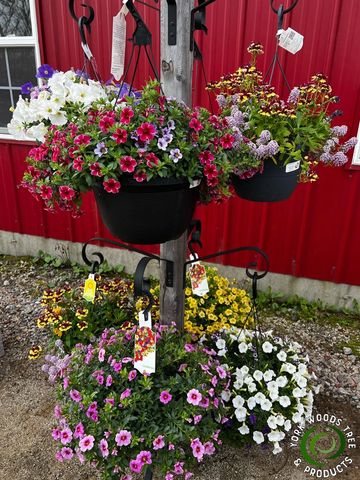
x,y
275,183
148,212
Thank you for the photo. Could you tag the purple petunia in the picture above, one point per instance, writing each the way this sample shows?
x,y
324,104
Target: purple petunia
x,y
162,143
100,149
45,71
26,88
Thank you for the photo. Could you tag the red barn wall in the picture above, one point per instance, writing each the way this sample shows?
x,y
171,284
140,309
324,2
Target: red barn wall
x,y
316,233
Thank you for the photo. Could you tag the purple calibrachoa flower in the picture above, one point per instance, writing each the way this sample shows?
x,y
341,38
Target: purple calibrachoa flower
x,y
171,124
159,443
26,88
45,71
75,396
123,438
86,443
100,149
165,397
175,155
56,434
132,375
162,143
125,394
194,397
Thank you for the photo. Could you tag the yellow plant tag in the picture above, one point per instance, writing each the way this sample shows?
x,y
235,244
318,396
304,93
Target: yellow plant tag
x,y
90,288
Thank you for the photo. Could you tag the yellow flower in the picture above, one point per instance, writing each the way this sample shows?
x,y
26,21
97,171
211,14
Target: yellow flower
x,y
188,291
81,313
65,325
34,352
82,325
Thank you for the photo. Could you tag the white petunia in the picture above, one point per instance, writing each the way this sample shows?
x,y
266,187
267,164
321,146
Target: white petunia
x,y
240,414
38,132
238,384
258,375
297,418
289,368
268,375
298,392
258,437
244,429
251,402
287,425
274,395
267,347
252,387
266,405
273,385
243,348
260,397
226,395
301,381
221,344
244,369
58,118
221,353
281,381
238,401
238,373
271,421
276,436
302,368
281,356
277,448
284,401
280,420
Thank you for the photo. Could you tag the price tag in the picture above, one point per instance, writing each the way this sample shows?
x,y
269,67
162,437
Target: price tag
x,y
291,167
119,43
145,345
90,288
198,278
291,40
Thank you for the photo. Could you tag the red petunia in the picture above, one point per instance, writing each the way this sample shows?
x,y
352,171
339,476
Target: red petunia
x,y
82,140
39,153
151,160
126,115
127,164
227,141
95,170
66,193
206,157
111,185
146,131
78,164
46,192
210,171
120,135
140,176
195,124
106,122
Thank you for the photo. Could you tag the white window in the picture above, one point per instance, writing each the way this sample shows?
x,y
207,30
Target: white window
x,y
19,53
356,156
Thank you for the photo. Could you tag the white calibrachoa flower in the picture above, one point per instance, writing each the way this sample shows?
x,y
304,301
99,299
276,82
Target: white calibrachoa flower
x,y
270,391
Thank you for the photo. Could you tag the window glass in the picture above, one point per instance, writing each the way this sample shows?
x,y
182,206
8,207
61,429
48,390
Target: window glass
x,y
21,65
3,75
15,18
5,104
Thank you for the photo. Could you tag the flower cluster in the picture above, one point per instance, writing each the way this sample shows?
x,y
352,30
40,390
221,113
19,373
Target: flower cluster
x,y
225,305
91,135
266,125
73,319
271,387
122,421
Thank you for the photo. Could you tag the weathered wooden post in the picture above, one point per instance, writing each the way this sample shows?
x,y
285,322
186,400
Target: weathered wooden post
x,y
176,77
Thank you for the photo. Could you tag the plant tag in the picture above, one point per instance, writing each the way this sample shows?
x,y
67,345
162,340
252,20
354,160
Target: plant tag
x,y
291,40
198,278
119,43
291,167
145,346
87,51
90,288
195,183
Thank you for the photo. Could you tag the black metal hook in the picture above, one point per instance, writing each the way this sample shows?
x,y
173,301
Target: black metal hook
x,y
287,10
198,19
142,285
195,230
86,21
141,35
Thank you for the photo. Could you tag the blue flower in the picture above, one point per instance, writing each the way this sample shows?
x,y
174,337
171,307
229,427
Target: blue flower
x,y
26,88
45,71
100,149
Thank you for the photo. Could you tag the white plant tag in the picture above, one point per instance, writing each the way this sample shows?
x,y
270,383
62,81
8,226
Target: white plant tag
x,y
119,43
87,51
291,40
145,346
198,278
291,167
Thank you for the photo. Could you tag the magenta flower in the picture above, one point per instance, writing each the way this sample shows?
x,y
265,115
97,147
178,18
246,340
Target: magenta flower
x,y
169,476
165,397
194,397
123,438
59,457
197,419
82,140
127,164
66,193
66,383
214,381
140,177
188,475
117,367
146,131
80,456
171,446
79,430
189,347
56,434
126,115
204,402
75,396
101,354
144,457
57,411
198,449
66,436
178,468
46,192
159,443
67,453
195,125
125,394
209,448
120,135
86,443
126,477
78,164
104,448
135,466
132,375
95,170
221,372
111,185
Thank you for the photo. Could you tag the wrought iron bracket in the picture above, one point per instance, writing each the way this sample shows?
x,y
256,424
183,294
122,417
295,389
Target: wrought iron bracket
x,y
172,22
197,22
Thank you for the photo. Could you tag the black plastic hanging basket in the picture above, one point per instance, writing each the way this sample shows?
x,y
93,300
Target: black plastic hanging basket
x,y
275,183
148,212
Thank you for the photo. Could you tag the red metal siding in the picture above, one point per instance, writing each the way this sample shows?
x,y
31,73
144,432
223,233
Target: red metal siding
x,y
314,234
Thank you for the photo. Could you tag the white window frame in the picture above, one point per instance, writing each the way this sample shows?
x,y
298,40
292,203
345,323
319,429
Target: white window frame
x,y
32,41
356,156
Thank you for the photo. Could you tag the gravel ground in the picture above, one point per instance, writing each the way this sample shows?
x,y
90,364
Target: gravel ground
x,y
27,400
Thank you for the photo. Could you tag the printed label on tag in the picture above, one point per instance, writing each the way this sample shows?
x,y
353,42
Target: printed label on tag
x,y
198,278
90,288
119,43
291,40
145,346
195,183
291,167
87,51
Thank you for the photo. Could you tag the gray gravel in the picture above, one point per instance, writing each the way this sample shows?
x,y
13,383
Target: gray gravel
x,y
26,399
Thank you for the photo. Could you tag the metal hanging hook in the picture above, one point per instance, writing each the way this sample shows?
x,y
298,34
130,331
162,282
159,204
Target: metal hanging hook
x,y
287,10
87,21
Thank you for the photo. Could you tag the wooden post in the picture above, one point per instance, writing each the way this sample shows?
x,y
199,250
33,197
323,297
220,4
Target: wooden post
x,y
176,77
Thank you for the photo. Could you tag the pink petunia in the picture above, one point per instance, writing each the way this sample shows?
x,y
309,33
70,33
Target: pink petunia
x,y
195,124
221,372
78,164
144,457
178,468
214,381
109,381
189,347
101,355
66,193
194,397
210,171
209,448
125,394
188,475
197,419
46,192
111,185
227,141
151,160
127,163
57,411
198,449
75,396
205,402
59,457
126,477
86,443
123,438
56,434
169,476
79,430
132,375
159,443
66,436
104,448
135,466
206,157
171,446
165,397
66,383
67,453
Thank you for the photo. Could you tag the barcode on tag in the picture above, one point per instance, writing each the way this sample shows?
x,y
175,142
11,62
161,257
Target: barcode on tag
x,y
291,167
